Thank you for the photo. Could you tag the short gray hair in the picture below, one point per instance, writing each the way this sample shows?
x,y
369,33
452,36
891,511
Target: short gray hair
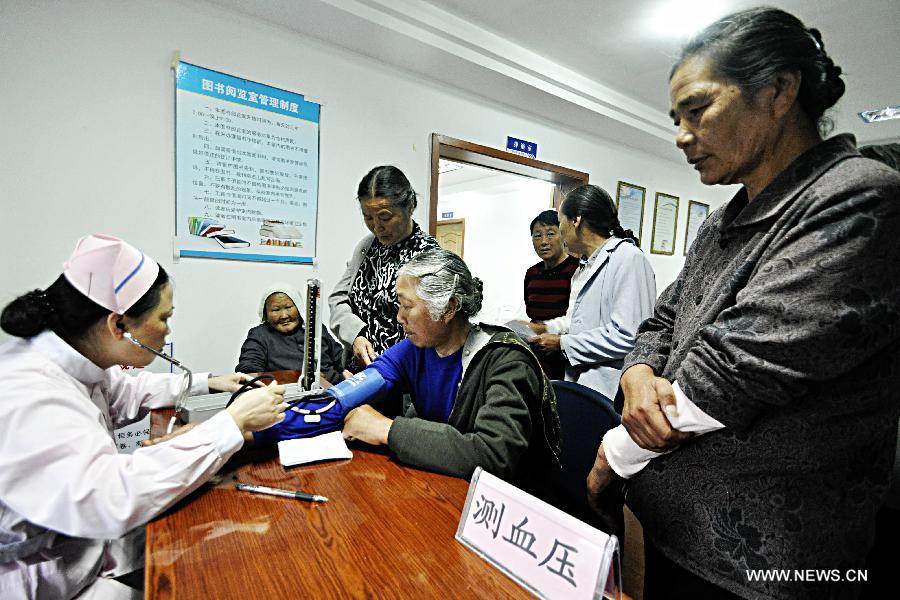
x,y
443,275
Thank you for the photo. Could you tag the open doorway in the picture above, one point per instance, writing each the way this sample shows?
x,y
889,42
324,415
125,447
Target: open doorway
x,y
483,215
482,201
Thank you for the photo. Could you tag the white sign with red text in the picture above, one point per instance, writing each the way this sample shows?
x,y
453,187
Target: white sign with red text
x,y
550,553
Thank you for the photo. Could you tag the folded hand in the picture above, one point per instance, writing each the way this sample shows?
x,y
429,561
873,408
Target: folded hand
x,y
648,399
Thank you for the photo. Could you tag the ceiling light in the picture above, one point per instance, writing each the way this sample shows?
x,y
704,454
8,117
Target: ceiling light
x,y
684,18
880,114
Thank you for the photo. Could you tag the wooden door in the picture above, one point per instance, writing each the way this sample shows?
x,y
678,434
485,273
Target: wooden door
x,y
451,234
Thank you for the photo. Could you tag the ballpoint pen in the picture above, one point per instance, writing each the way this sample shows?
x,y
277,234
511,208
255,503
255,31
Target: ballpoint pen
x,y
261,489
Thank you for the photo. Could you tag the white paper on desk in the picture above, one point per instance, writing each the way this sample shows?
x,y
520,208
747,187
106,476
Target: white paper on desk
x,y
328,446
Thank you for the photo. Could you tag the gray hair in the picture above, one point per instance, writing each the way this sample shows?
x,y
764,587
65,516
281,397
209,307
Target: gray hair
x,y
443,275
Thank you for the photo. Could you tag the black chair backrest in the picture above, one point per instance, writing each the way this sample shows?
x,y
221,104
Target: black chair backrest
x,y
585,415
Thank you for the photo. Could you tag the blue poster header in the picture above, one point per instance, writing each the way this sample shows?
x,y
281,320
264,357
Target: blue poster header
x,y
196,79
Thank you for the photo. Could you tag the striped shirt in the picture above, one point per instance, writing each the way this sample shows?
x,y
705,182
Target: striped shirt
x,y
547,290
547,297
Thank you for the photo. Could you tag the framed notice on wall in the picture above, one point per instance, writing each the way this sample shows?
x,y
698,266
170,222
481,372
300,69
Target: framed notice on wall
x,y
246,169
665,224
630,206
697,213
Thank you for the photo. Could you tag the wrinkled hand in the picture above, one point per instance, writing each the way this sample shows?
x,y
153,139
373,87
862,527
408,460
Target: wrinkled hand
x,y
363,351
598,479
168,436
366,424
545,342
648,399
229,383
258,409
537,326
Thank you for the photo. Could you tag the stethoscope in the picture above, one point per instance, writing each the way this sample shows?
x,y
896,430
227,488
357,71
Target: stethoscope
x,y
185,390
301,403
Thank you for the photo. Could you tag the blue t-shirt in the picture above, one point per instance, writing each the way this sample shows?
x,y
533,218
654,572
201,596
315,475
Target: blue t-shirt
x,y
431,380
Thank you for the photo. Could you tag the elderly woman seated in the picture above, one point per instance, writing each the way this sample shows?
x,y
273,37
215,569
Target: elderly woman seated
x,y
277,344
479,397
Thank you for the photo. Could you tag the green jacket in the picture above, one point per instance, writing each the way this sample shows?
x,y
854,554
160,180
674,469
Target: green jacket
x,y
504,418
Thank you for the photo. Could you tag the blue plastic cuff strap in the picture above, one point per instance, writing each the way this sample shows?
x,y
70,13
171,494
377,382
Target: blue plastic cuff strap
x,y
364,387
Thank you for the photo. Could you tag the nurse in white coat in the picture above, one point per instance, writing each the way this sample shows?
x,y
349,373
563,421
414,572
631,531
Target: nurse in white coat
x,y
613,291
66,494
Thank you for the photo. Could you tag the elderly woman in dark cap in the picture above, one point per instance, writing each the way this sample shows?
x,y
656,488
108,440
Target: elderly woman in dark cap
x,y
277,343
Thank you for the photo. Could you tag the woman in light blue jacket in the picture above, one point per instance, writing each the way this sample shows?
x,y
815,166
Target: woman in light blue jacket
x,y
613,291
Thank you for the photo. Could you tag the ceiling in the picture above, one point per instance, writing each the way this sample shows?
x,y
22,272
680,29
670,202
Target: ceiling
x,y
595,66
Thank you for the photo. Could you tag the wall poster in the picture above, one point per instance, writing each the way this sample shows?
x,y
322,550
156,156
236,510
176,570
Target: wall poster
x,y
246,169
697,213
665,224
630,205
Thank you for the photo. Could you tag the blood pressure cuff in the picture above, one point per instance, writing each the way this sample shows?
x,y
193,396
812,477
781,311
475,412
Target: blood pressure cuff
x,y
325,414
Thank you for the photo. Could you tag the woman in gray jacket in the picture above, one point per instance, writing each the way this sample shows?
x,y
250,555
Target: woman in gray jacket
x,y
612,292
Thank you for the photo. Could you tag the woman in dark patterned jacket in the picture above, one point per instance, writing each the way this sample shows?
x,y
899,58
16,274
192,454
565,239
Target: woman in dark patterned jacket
x,y
364,302
776,352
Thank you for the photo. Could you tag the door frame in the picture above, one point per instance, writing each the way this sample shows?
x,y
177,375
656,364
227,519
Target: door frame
x,y
442,146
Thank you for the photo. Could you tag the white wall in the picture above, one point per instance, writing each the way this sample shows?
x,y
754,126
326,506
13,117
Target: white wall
x,y
86,122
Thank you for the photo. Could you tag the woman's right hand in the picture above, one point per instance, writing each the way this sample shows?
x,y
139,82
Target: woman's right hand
x,y
538,327
363,351
647,400
258,409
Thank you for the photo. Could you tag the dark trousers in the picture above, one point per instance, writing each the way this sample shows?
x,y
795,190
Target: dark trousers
x,y
881,564
665,580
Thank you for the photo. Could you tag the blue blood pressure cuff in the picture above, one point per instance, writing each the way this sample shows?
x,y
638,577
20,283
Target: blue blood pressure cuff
x,y
315,414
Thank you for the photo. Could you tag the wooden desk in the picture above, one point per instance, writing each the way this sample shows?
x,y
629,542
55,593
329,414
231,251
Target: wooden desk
x,y
387,532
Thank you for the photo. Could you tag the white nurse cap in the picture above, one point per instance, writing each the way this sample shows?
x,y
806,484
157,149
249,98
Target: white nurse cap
x,y
110,271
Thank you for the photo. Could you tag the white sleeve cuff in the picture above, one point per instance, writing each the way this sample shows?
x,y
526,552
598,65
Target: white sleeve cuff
x,y
624,456
559,325
627,459
199,384
224,433
689,417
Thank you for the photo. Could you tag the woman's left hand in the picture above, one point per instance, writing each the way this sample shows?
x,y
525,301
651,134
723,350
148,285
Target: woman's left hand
x,y
229,383
545,342
367,425
600,476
